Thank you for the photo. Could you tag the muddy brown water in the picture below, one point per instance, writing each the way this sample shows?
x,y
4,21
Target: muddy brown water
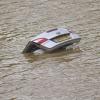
x,y
57,76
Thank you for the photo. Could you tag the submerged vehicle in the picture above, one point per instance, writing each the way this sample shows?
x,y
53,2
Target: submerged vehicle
x,y
52,40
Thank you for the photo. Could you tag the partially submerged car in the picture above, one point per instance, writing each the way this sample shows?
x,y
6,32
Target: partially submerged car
x,y
52,40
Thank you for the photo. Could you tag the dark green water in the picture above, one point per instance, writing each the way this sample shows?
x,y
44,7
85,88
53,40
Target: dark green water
x,y
58,76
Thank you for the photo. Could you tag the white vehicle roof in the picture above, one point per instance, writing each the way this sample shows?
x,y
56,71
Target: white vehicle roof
x,y
52,34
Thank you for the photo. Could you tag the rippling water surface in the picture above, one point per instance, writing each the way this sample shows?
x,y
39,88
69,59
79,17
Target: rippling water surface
x,y
58,76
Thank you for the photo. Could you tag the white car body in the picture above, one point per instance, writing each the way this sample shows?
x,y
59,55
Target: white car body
x,y
52,40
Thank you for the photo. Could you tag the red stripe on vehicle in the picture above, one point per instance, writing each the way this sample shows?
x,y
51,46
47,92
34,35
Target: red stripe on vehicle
x,y
40,40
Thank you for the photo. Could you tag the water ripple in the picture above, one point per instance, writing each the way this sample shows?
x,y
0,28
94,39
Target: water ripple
x,y
64,75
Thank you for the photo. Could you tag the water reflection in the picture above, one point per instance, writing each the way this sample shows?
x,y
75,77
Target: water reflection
x,y
31,57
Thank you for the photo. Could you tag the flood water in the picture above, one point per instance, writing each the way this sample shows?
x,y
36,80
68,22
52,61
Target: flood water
x,y
58,76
